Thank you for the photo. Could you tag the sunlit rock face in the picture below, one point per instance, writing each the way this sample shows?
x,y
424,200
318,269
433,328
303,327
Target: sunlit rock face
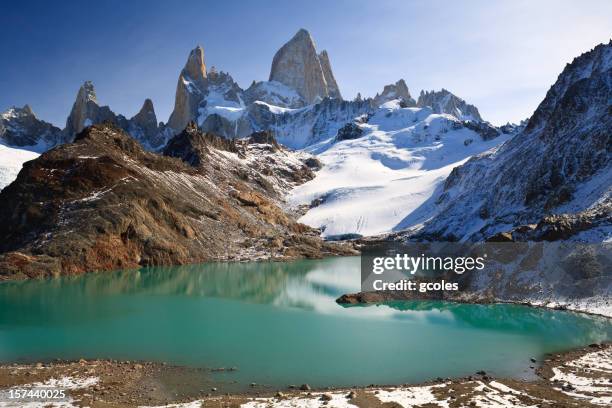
x,y
332,86
298,66
86,111
104,203
189,90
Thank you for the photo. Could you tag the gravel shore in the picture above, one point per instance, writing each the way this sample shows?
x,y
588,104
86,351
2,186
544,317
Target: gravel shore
x,y
579,378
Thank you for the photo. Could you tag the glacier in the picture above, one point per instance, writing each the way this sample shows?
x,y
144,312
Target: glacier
x,y
11,162
387,179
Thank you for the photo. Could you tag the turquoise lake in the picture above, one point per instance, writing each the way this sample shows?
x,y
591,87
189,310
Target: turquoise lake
x,y
278,323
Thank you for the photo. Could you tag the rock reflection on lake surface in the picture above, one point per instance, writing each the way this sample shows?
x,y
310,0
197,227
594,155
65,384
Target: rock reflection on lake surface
x,y
278,323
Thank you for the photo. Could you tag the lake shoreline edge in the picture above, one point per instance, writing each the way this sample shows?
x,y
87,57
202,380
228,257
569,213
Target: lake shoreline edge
x,y
560,381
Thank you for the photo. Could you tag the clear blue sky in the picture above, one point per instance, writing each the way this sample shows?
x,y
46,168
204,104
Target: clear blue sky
x,y
500,55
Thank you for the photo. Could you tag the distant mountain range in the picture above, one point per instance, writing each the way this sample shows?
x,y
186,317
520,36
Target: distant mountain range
x,y
301,102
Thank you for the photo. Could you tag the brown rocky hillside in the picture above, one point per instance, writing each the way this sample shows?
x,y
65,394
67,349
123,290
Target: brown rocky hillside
x,y
104,203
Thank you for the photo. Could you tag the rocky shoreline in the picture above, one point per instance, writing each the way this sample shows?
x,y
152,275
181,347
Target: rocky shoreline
x,y
602,308
578,378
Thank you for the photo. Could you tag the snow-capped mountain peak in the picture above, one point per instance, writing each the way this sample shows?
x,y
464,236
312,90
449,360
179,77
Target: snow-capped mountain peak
x,y
446,102
398,90
20,127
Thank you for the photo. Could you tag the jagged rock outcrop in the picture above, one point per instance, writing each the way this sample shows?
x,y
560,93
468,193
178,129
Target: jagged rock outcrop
x,y
332,86
146,119
560,164
486,130
510,128
301,103
20,127
221,110
399,90
561,227
215,102
83,207
144,127
445,102
86,111
189,90
348,132
193,146
201,94
298,66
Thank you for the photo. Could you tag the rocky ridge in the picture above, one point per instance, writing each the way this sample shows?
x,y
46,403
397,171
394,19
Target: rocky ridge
x,y
104,203
19,127
559,164
143,126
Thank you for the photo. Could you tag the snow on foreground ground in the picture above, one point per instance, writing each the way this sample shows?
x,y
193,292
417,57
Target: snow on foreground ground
x,y
580,378
589,378
388,178
581,382
11,161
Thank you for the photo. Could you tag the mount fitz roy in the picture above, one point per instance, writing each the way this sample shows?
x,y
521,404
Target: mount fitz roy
x,y
301,102
298,66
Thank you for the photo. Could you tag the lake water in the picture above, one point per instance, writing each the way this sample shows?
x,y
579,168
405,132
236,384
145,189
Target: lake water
x,y
278,323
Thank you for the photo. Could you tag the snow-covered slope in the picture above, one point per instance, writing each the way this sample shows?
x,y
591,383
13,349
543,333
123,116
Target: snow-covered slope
x,y
274,93
385,179
310,126
11,161
560,163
